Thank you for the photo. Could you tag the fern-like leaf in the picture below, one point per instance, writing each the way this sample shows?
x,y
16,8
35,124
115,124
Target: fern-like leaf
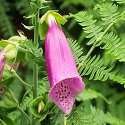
x,y
56,117
101,118
77,50
26,101
109,13
95,68
120,1
88,94
35,51
114,45
89,26
80,117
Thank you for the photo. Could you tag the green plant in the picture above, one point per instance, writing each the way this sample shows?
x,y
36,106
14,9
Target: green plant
x,y
95,33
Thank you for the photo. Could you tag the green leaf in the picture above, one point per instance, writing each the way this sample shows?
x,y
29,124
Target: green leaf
x,y
9,99
8,121
105,118
95,68
109,13
19,57
79,116
42,32
4,43
30,16
90,94
35,51
28,27
89,26
6,81
34,8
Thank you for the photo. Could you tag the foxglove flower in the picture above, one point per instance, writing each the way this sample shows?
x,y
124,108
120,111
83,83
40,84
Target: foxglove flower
x,y
2,63
64,79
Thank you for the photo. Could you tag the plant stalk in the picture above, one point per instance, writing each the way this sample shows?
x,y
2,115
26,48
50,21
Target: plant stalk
x,y
65,119
22,82
35,66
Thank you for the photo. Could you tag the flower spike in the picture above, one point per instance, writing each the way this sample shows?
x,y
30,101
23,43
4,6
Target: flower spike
x,y
64,79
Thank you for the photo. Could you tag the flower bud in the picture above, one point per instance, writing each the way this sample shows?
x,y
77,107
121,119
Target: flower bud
x,y
41,106
10,52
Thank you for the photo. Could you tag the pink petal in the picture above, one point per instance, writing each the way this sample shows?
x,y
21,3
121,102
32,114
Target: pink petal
x,y
2,62
64,93
64,79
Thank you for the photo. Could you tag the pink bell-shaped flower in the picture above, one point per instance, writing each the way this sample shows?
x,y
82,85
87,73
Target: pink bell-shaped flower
x,y
2,63
64,79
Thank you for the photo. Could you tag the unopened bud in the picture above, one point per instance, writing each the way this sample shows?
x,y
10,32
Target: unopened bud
x,y
41,106
10,51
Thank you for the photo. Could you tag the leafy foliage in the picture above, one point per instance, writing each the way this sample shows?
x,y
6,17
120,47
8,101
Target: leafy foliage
x,y
95,68
114,45
96,117
109,13
102,118
57,119
90,94
79,117
35,51
101,26
6,24
25,103
120,1
88,24
77,50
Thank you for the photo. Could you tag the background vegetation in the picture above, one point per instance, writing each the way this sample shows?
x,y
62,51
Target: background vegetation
x,y
103,100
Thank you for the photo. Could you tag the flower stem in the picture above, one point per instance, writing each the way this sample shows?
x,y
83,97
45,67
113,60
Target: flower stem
x,y
65,119
35,66
22,82
19,108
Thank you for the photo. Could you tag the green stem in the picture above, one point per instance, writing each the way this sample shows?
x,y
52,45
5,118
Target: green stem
x,y
65,120
94,45
22,49
19,108
23,82
35,66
